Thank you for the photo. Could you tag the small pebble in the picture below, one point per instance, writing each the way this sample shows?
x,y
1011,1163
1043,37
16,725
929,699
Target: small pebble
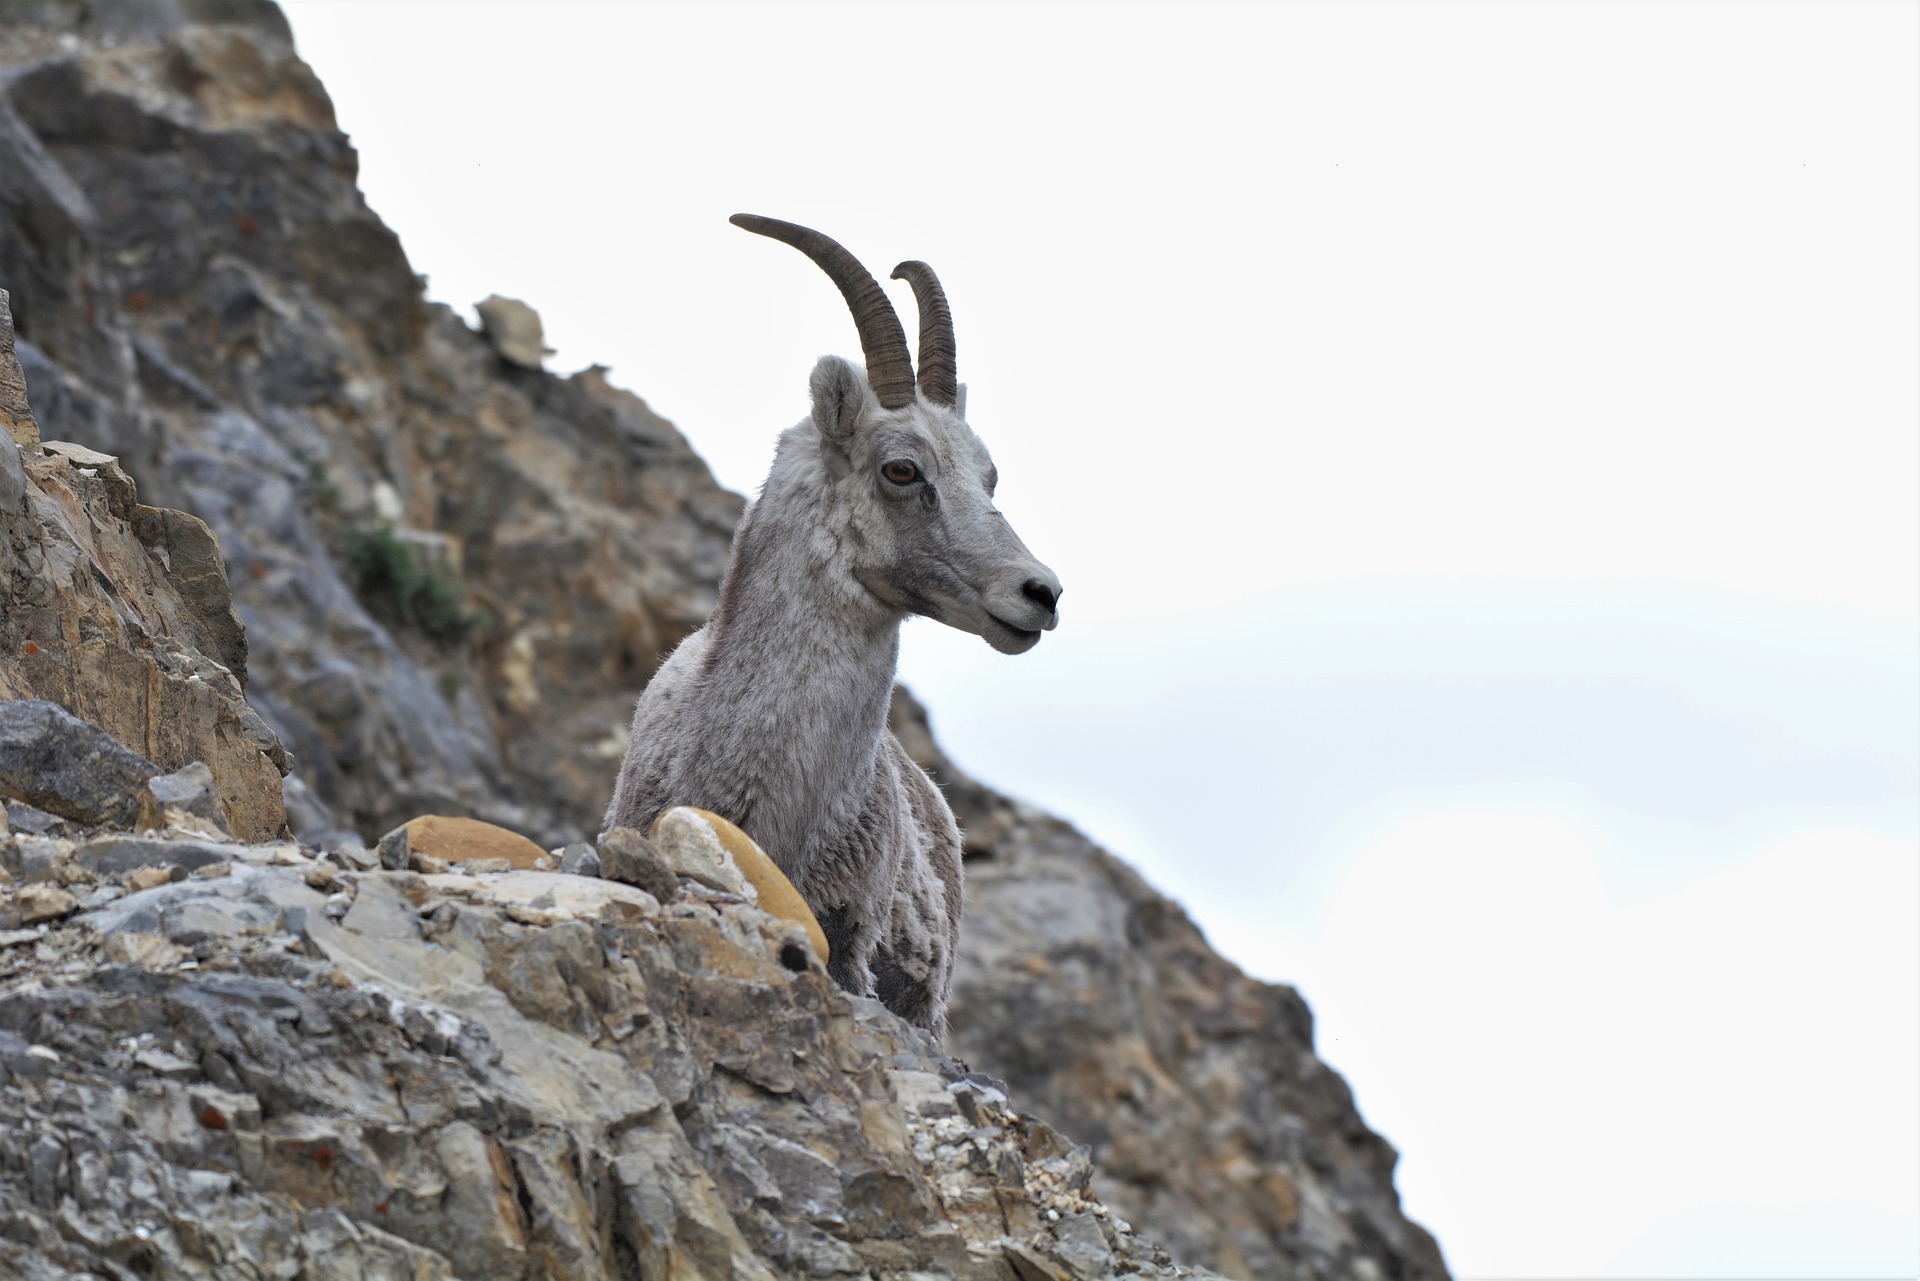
x,y
580,859
43,903
352,858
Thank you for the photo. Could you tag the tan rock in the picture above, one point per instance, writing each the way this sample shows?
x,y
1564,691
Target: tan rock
x,y
455,840
150,951
514,329
686,841
128,623
44,903
115,487
145,878
776,894
278,854
177,822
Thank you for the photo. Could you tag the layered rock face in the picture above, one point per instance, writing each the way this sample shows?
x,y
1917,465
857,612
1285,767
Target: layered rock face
x,y
456,572
120,612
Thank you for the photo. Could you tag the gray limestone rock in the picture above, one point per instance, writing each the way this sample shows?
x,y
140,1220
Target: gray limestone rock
x,y
395,849
116,855
36,858
580,859
22,817
687,846
188,790
54,761
530,1076
626,855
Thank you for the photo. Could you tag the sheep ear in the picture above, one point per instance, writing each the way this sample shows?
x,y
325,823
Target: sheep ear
x,y
960,403
841,398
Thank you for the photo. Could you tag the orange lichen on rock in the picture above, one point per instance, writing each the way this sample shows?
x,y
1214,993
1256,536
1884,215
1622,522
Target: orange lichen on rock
x,y
777,897
456,840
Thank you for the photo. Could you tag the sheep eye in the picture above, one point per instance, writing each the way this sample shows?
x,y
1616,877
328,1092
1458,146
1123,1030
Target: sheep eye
x,y
901,472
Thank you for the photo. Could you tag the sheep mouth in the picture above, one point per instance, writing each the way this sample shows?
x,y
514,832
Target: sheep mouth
x,y
1007,638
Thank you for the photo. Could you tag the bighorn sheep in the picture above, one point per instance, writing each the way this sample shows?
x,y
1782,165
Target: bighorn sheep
x,y
879,505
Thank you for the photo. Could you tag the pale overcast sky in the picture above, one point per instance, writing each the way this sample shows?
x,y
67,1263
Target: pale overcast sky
x,y
1481,446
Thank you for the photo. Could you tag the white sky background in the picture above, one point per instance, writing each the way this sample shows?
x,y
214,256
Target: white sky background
x,y
1481,445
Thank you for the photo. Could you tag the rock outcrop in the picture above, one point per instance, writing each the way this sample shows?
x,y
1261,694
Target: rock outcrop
x,y
455,572
230,1059
120,613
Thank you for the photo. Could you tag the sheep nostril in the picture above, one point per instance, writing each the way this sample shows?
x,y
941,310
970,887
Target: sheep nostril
x,y
1040,593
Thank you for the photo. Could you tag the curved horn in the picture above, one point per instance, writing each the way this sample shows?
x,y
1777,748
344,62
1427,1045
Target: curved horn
x,y
889,367
939,379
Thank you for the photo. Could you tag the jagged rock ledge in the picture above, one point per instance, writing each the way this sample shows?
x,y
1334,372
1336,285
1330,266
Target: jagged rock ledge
x,y
279,1063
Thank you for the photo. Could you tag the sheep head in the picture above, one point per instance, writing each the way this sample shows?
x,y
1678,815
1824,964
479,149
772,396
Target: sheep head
x,y
908,483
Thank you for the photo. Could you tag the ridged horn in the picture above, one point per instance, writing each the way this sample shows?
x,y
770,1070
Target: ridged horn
x,y
939,376
889,367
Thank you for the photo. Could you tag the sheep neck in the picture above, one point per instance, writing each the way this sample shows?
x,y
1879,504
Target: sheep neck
x,y
802,659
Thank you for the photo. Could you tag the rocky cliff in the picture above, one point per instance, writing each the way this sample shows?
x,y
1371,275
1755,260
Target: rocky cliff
x,y
455,571
227,1059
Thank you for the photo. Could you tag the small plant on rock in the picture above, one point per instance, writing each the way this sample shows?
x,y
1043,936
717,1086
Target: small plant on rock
x,y
396,580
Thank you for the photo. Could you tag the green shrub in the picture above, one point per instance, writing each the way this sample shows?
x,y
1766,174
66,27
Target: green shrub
x,y
325,492
395,581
